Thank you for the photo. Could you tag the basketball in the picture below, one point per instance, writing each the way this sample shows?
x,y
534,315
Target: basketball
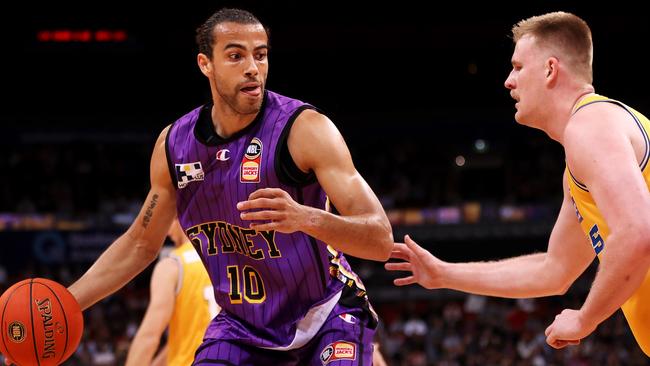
x,y
41,322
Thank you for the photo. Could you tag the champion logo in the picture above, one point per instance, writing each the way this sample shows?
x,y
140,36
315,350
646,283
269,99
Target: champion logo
x,y
348,318
223,155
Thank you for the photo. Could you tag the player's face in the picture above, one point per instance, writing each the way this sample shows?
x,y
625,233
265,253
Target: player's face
x,y
240,65
527,81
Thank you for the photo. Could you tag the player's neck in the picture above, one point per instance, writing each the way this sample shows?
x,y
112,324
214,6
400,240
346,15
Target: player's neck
x,y
564,107
227,122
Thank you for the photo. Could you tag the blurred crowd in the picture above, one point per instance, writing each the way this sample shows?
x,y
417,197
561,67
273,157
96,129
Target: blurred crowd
x,y
101,180
447,329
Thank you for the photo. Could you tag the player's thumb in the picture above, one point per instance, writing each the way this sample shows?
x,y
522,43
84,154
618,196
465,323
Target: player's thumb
x,y
8,361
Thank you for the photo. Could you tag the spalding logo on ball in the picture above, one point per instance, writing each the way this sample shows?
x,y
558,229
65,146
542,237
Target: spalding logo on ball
x,y
42,323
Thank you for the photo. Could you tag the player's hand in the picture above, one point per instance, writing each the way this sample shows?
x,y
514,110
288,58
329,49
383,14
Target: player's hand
x,y
567,329
8,361
424,267
273,209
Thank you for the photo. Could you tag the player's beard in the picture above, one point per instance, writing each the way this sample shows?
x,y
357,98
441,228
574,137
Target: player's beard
x,y
241,104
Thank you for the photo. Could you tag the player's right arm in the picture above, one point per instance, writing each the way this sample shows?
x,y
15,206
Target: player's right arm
x,y
534,275
139,245
161,306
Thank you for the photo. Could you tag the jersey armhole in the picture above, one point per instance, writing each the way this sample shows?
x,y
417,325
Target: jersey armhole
x,y
285,167
179,281
172,171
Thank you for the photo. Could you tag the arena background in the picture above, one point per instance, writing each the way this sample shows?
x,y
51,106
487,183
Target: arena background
x,y
417,91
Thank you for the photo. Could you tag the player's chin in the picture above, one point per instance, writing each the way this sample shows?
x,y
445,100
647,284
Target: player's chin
x,y
521,118
250,105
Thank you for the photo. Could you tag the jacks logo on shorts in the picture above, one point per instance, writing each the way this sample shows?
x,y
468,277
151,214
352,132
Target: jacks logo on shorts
x,y
186,173
16,332
251,162
339,350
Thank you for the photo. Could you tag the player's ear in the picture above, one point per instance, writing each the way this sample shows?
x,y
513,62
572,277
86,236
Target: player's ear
x,y
204,64
551,68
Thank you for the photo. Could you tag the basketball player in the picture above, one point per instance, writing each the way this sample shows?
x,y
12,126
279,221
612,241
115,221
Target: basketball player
x,y
251,175
181,297
606,208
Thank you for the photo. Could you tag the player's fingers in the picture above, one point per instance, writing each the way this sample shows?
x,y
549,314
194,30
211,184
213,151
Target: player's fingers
x,y
258,203
412,245
558,344
401,266
404,281
262,215
552,340
266,192
265,226
400,253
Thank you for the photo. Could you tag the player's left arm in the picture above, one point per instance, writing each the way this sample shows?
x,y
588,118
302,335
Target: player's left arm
x,y
161,306
161,357
600,153
362,229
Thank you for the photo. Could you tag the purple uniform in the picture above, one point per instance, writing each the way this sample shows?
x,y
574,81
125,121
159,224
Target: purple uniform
x,y
279,291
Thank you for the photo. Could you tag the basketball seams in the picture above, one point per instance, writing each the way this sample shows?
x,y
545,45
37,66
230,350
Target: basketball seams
x,y
65,319
2,321
31,318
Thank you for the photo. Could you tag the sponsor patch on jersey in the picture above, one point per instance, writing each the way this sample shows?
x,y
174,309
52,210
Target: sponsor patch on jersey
x,y
186,173
223,155
251,162
16,332
339,350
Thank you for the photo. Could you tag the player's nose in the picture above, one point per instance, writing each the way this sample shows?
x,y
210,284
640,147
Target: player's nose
x,y
510,82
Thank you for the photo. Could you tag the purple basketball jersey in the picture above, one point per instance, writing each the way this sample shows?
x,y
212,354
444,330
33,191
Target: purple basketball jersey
x,y
276,289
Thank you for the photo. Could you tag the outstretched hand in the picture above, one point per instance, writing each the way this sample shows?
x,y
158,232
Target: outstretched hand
x,y
273,209
8,361
567,329
424,267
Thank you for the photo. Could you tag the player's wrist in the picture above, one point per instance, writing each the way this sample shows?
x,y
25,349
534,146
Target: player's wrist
x,y
311,219
587,320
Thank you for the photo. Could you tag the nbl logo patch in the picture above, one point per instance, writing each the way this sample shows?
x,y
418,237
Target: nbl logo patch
x,y
186,173
326,355
251,162
340,350
16,332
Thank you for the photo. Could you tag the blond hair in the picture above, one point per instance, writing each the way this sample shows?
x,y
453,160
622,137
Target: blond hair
x,y
564,33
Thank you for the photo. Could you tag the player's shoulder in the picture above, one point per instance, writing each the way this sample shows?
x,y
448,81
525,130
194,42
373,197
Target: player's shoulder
x,y
163,133
601,113
161,142
167,267
311,119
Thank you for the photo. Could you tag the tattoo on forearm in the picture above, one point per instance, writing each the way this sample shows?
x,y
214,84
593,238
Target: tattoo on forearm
x,y
149,213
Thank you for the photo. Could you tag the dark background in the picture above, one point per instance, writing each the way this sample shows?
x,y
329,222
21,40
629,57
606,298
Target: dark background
x,y
411,85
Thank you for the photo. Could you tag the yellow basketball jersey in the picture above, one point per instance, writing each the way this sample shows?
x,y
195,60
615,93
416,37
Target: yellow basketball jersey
x,y
194,307
637,307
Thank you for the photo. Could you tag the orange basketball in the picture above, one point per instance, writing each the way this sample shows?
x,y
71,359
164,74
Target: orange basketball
x,y
41,323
